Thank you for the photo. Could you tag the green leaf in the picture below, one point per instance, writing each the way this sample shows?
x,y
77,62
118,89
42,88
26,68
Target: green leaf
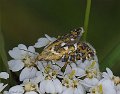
x,y
3,53
3,61
112,58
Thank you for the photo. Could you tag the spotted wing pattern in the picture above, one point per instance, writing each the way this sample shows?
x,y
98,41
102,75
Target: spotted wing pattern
x,y
68,48
82,51
56,49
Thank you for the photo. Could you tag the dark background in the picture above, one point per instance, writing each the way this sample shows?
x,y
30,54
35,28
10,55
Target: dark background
x,y
24,21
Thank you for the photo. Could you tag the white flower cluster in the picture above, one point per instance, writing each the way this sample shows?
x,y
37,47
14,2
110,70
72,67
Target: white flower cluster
x,y
3,75
43,77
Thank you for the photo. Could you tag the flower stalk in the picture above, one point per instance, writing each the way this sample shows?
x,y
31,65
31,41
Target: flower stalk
x,y
86,20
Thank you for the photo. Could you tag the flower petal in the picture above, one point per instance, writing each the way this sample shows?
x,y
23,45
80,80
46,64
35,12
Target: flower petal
x,y
79,72
110,73
39,77
52,39
85,64
50,88
22,46
18,52
15,53
28,73
31,51
2,86
58,86
16,90
4,75
6,92
91,82
40,66
68,91
107,86
80,90
43,86
15,65
23,50
31,92
41,42
105,75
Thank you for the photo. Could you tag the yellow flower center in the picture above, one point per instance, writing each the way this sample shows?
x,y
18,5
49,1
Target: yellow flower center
x,y
30,87
97,90
49,73
28,61
70,81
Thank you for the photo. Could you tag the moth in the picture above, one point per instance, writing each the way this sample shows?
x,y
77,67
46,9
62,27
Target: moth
x,y
68,48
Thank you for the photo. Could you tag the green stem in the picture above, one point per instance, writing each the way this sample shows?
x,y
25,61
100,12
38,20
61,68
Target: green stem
x,y
86,20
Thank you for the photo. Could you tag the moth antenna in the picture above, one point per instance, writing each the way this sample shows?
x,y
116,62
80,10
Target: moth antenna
x,y
29,51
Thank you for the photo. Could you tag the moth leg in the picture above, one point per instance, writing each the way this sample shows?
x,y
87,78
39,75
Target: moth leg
x,y
64,67
54,63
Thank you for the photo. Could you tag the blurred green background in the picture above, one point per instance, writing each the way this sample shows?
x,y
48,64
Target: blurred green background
x,y
24,21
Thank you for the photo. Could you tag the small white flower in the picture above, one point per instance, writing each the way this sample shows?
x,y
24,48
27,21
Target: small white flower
x,y
87,68
109,75
71,85
68,68
104,87
90,73
15,90
54,66
23,58
49,83
27,87
4,75
115,79
51,86
30,86
88,64
27,73
44,41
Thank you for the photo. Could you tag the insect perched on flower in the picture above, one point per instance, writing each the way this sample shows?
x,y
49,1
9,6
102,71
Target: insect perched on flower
x,y
68,48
